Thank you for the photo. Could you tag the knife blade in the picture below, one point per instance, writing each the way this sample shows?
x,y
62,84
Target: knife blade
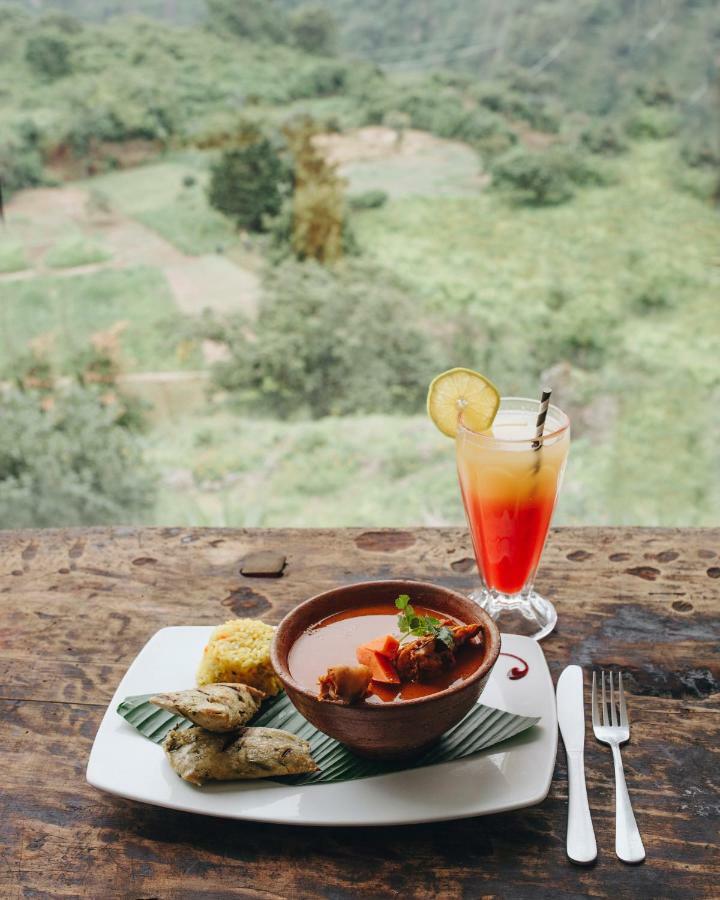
x,y
581,846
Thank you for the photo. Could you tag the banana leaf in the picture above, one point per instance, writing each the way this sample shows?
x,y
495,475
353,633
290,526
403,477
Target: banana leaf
x,y
482,727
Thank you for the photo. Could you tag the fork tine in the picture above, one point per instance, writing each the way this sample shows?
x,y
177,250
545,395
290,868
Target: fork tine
x,y
594,702
604,703
613,712
624,721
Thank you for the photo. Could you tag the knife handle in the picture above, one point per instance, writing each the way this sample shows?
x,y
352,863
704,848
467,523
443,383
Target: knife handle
x,y
581,846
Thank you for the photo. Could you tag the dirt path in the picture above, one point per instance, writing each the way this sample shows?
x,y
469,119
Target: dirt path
x,y
39,218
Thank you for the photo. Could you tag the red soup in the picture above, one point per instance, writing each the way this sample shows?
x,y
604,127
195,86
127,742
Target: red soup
x,y
334,641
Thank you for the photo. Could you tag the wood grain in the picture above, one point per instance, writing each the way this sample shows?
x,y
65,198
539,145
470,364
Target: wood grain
x,y
77,605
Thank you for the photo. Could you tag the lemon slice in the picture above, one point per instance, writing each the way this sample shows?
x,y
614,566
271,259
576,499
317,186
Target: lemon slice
x,y
462,391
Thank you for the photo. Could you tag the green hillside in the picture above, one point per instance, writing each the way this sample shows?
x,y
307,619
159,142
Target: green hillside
x,y
541,209
594,51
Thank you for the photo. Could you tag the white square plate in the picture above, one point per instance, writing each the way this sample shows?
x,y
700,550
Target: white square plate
x,y
515,774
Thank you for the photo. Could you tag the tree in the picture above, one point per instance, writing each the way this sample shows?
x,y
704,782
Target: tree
x,y
318,205
603,139
254,20
544,178
330,342
48,56
61,21
314,30
21,163
66,460
248,183
532,177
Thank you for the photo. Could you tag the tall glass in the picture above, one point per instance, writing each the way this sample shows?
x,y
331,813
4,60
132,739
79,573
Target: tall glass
x,y
509,486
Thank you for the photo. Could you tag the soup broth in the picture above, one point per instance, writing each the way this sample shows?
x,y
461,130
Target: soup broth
x,y
334,640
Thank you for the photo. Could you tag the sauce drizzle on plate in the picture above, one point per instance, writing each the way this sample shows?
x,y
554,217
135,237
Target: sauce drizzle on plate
x,y
516,673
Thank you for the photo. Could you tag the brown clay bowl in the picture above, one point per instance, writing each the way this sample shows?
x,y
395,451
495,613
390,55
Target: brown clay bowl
x,y
390,730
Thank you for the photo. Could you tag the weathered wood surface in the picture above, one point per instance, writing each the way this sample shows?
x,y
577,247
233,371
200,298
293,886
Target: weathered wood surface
x,y
77,605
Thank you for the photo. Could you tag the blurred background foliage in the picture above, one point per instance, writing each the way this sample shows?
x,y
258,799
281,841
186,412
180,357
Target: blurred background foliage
x,y
242,235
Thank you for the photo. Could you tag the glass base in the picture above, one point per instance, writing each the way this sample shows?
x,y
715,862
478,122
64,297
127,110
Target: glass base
x,y
526,613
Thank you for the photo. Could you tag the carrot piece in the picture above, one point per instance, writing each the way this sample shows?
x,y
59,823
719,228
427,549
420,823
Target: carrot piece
x,y
387,645
380,666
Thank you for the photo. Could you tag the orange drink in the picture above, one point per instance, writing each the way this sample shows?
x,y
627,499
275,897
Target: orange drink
x,y
509,483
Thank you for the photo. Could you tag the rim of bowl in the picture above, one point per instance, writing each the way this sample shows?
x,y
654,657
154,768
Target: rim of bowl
x,y
283,672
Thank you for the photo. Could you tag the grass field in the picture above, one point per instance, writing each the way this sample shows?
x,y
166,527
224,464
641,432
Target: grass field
x,y
67,311
617,281
622,283
224,469
75,250
231,470
12,257
637,261
159,197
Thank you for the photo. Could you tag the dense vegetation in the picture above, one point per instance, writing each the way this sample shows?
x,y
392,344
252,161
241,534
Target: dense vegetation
x,y
329,343
596,53
67,457
582,247
72,93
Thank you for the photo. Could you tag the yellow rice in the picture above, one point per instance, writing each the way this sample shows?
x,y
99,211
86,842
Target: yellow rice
x,y
239,652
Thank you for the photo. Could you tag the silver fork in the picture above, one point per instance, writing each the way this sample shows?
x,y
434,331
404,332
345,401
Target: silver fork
x,y
615,730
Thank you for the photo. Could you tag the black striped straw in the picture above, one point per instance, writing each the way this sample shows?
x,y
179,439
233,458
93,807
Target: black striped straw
x,y
542,415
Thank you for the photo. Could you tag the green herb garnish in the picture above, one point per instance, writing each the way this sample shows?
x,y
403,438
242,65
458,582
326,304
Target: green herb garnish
x,y
412,625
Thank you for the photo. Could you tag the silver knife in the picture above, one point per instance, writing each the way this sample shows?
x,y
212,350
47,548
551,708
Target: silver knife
x,y
581,846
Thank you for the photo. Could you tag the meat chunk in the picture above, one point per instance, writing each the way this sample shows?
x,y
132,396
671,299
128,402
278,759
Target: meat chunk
x,y
345,684
425,658
463,633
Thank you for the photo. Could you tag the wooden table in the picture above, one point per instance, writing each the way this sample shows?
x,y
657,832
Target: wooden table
x,y
77,606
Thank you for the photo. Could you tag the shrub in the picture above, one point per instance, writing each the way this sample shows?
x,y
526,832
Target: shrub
x,y
656,93
324,79
368,200
580,170
62,22
254,20
281,230
700,182
48,56
65,460
21,165
603,139
474,126
443,112
701,152
532,178
313,29
330,342
494,142
248,183
531,108
547,178
651,123
654,296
